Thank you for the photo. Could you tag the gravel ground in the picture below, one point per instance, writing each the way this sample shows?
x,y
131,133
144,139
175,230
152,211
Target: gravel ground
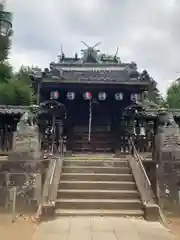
x,y
174,225
23,227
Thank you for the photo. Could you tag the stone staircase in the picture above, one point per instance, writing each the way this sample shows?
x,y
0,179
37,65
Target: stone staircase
x,y
101,139
97,185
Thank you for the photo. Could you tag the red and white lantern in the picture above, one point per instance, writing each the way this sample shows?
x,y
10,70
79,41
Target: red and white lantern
x,y
54,95
87,96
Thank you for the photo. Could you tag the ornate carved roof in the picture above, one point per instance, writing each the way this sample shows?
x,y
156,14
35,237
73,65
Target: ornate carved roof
x,y
94,66
13,110
154,113
16,110
148,109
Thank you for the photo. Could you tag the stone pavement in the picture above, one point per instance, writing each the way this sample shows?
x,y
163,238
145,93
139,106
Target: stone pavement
x,y
101,228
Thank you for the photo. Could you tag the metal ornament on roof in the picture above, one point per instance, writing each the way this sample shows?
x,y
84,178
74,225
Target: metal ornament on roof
x,y
54,95
87,96
102,96
119,96
70,95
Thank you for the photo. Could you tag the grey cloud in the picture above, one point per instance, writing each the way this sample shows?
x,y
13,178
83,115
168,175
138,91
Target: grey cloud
x,y
146,31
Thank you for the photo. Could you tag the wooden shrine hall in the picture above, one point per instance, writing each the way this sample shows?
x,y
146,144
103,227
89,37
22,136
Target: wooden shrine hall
x,y
98,90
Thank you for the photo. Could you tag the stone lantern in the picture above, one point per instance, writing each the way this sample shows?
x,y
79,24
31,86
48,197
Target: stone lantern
x,y
5,22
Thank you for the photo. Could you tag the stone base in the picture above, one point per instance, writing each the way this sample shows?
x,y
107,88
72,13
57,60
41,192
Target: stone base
x,y
117,152
151,212
48,211
68,153
21,156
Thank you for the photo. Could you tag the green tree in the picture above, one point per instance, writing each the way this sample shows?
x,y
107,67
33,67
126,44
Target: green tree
x,y
4,48
15,89
24,74
5,68
153,91
173,95
5,72
16,92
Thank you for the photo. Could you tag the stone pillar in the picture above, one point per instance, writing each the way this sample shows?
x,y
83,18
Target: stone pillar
x,y
168,167
38,188
26,144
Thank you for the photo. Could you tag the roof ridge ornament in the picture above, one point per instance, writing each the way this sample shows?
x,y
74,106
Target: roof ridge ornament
x,y
94,46
90,54
2,5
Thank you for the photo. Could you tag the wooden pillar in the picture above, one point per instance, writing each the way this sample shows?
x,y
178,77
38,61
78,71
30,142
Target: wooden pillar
x,y
117,138
1,139
70,135
119,130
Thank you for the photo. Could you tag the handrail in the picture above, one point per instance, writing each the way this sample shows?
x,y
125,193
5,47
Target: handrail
x,y
55,174
141,177
51,180
135,152
53,171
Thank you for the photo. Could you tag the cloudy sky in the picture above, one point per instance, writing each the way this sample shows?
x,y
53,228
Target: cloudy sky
x,y
146,31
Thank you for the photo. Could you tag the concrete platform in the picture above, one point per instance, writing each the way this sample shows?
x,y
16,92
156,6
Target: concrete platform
x,y
102,228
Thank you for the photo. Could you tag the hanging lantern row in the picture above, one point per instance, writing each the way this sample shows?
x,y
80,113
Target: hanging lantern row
x,y
102,96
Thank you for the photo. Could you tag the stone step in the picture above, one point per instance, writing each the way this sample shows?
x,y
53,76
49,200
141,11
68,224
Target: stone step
x,y
96,162
83,146
66,203
97,185
95,145
87,146
95,131
100,212
94,141
92,156
89,149
96,169
97,194
96,177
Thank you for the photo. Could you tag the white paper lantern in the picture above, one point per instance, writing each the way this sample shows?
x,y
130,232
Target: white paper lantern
x,y
102,96
119,96
142,131
71,95
87,96
54,95
134,97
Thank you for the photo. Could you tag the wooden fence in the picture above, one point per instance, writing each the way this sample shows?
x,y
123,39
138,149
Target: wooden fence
x,y
142,143
6,139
